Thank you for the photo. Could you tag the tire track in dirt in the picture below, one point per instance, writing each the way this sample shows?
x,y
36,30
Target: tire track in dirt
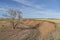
x,y
30,34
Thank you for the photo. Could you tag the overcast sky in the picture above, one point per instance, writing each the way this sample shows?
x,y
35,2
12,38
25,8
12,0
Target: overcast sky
x,y
33,8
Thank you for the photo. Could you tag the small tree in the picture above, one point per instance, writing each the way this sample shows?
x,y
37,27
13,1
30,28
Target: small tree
x,y
13,17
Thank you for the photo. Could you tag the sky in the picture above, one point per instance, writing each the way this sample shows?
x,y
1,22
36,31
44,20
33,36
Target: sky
x,y
32,8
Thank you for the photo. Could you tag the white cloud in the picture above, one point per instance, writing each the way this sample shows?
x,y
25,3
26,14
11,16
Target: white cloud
x,y
47,12
1,9
30,3
44,12
28,12
4,8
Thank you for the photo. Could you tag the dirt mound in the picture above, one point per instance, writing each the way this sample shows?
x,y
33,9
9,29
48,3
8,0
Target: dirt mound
x,y
45,27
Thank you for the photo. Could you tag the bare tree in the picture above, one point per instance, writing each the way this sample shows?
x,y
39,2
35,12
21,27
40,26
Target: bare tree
x,y
13,17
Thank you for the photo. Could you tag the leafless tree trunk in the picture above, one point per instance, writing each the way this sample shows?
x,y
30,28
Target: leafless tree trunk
x,y
14,17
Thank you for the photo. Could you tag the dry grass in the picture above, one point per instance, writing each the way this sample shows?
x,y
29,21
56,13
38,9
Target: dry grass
x,y
47,27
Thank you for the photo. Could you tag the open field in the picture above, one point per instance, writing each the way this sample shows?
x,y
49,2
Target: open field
x,y
53,20
6,31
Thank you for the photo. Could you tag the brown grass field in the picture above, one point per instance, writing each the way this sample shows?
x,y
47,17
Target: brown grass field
x,y
47,26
